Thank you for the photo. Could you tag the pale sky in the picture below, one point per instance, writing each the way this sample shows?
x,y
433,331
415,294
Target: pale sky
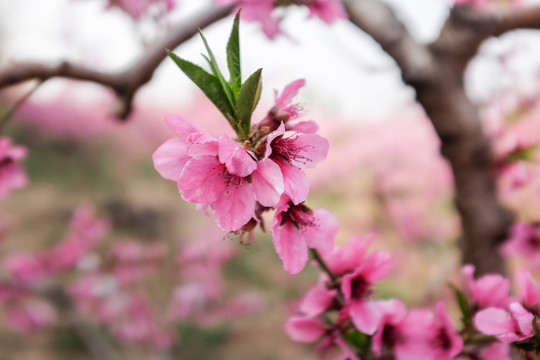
x,y
346,72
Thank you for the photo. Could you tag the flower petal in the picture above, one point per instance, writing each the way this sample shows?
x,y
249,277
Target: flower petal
x,y
235,157
169,159
291,248
201,180
201,144
365,316
304,329
267,182
310,150
295,181
321,236
180,126
317,300
493,321
235,207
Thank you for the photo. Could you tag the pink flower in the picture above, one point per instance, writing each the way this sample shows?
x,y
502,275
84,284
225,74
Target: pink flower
x,y
257,10
25,268
529,289
291,154
496,351
31,317
317,300
169,159
346,259
137,8
487,291
327,10
287,112
131,251
304,329
390,332
524,240
11,174
417,335
357,288
214,171
296,227
445,343
510,325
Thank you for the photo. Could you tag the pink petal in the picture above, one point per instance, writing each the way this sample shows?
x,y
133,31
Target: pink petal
x,y
267,182
311,150
290,92
306,127
273,135
327,10
376,266
496,351
493,321
350,256
201,180
235,157
321,236
304,329
180,126
317,300
295,181
235,207
201,144
291,249
12,177
365,316
530,291
448,327
523,318
169,159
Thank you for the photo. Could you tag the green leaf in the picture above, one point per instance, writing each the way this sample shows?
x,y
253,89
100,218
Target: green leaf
x,y
524,154
235,86
208,83
233,51
248,97
215,70
358,339
464,305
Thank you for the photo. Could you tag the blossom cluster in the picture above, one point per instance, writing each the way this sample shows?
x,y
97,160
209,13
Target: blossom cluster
x,y
494,312
347,292
239,181
106,289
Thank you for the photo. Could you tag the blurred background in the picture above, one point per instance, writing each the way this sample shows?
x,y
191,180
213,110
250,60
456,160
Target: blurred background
x,y
140,271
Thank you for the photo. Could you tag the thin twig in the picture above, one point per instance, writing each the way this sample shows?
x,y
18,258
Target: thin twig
x,y
124,83
8,114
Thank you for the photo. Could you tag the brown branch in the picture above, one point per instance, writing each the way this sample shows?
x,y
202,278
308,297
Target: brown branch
x,y
436,74
381,23
125,83
521,18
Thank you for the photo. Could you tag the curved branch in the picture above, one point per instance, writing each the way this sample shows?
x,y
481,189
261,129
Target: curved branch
x,y
436,74
513,19
381,23
125,83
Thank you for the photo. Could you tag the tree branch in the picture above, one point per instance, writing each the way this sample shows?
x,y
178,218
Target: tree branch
x,y
125,83
522,18
380,22
436,74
